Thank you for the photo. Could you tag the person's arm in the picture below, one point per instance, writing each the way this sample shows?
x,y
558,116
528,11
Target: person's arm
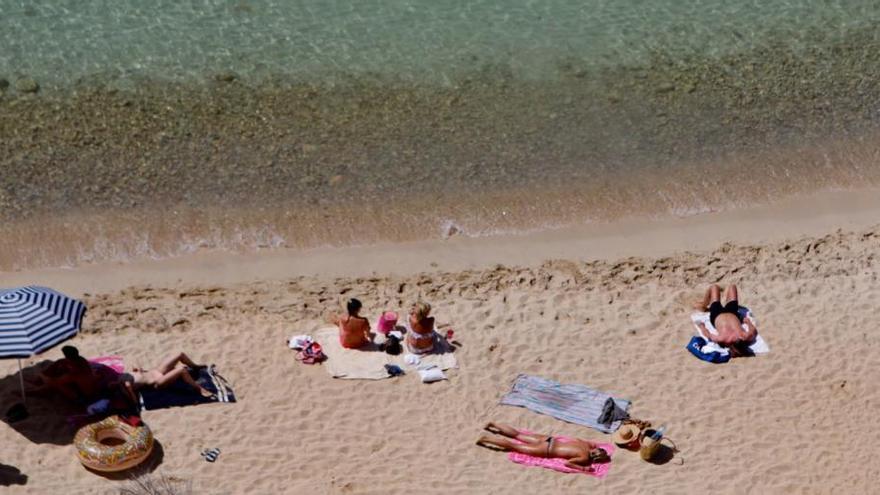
x,y
709,335
751,331
128,388
581,463
368,330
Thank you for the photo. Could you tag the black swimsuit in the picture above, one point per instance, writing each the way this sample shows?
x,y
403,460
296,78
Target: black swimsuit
x,y
716,309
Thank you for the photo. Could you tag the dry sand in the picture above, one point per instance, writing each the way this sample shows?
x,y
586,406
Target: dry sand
x,y
799,420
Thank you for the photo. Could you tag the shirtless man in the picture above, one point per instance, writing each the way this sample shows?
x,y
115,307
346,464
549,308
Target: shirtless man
x,y
354,330
578,454
725,318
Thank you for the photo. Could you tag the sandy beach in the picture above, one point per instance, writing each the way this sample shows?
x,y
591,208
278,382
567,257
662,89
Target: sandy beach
x,y
797,420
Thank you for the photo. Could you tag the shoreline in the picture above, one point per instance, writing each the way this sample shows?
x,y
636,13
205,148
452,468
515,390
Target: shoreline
x,y
814,215
619,325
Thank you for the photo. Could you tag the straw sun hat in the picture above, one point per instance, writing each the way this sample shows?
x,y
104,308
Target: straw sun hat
x,y
626,435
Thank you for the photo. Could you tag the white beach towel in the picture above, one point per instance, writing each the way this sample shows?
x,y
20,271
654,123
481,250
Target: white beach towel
x,y
369,364
759,346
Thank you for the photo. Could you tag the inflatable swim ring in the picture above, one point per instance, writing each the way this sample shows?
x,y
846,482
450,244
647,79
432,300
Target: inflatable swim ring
x,y
113,445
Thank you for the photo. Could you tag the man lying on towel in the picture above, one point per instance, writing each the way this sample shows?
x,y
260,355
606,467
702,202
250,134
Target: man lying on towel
x,y
578,454
734,332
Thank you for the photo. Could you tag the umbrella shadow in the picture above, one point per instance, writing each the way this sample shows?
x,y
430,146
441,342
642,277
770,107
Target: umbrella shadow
x,y
11,475
46,421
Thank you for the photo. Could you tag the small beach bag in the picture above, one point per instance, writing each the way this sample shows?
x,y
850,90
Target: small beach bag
x,y
311,354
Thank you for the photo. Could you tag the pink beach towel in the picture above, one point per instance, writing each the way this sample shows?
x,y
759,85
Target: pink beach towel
x,y
116,363
599,470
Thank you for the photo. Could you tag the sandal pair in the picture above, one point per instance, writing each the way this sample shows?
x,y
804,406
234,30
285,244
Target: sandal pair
x,y
211,455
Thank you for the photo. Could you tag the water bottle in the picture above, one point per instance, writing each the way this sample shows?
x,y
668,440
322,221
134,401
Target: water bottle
x,y
658,434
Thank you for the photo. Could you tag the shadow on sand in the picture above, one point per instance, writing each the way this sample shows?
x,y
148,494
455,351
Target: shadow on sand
x,y
10,475
46,421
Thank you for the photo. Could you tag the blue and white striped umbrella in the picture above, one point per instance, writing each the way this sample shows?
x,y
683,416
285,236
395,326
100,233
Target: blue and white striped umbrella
x,y
33,319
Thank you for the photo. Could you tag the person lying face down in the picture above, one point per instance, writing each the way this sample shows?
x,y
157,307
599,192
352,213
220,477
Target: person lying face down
x,y
578,454
354,329
727,321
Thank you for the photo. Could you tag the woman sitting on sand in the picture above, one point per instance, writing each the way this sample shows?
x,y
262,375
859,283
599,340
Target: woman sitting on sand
x,y
171,370
578,454
354,329
420,335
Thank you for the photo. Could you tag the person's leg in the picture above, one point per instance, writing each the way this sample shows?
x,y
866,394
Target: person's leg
x,y
713,293
511,432
169,363
715,307
502,429
731,294
503,443
181,373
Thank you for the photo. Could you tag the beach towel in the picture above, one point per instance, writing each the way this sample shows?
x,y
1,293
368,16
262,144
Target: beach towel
x,y
714,353
368,363
573,403
599,470
180,393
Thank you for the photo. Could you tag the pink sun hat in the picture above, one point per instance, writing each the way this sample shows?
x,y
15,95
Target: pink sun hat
x,y
387,322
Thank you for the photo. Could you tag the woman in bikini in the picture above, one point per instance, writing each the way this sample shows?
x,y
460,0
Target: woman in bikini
x,y
578,454
354,329
420,334
171,370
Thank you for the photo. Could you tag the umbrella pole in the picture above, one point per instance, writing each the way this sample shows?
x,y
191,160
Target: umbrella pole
x,y
21,379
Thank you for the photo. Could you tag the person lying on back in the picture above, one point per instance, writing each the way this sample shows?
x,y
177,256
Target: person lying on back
x,y
354,329
734,332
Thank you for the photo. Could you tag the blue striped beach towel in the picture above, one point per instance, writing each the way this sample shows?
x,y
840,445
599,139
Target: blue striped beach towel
x,y
573,403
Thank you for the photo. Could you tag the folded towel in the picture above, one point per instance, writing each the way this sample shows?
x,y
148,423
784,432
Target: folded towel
x,y
299,341
432,374
574,403
759,346
180,393
599,470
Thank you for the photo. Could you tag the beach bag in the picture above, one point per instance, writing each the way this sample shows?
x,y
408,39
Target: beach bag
x,y
311,354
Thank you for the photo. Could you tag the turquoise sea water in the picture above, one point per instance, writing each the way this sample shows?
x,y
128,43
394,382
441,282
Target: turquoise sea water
x,y
172,125
416,40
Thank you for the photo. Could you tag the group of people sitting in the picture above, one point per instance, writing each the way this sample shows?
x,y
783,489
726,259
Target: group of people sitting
x,y
355,331
80,382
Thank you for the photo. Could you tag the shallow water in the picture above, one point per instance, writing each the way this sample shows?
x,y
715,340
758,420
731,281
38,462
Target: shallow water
x,y
130,130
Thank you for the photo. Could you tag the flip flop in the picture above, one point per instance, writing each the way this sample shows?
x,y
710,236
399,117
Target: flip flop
x,y
211,455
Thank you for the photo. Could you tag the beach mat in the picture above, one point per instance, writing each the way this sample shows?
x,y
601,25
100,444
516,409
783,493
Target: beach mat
x,y
573,403
180,394
599,470
369,363
712,352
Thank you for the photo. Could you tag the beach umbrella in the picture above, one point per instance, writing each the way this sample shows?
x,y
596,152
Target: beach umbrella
x,y
34,319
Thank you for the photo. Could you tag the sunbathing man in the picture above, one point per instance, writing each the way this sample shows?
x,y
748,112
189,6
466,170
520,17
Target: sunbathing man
x,y
354,329
727,321
578,454
171,370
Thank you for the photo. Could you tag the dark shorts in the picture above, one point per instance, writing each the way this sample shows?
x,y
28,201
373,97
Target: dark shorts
x,y
716,309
